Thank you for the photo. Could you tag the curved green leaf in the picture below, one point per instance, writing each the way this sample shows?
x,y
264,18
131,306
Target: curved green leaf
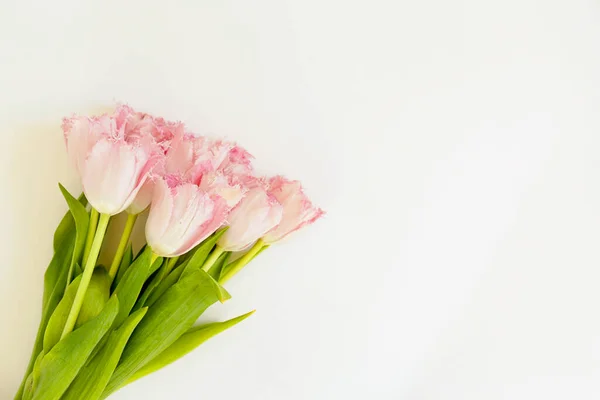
x,y
59,316
56,275
96,296
92,379
172,314
33,378
154,282
196,261
27,389
156,265
215,270
166,283
82,220
67,224
185,344
54,287
125,263
61,365
77,270
131,285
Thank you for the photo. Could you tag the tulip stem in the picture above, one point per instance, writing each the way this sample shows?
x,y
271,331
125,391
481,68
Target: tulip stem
x,y
94,215
170,264
238,264
87,275
116,263
214,256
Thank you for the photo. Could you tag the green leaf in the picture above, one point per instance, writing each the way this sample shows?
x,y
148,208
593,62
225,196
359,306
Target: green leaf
x,y
201,254
57,270
67,224
185,344
166,283
36,370
215,270
55,277
27,389
92,379
33,378
77,270
154,282
54,287
96,296
61,365
59,316
82,220
125,263
172,314
156,265
131,285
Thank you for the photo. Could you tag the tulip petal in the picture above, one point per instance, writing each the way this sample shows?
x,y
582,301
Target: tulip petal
x,y
181,216
160,214
256,214
298,210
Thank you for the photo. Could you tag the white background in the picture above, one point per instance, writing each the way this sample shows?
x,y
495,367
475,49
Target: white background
x,y
454,144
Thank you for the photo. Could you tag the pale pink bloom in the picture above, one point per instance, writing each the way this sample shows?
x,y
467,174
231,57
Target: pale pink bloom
x,y
143,198
133,122
226,186
191,157
112,162
182,215
256,214
140,124
298,210
196,159
237,163
188,156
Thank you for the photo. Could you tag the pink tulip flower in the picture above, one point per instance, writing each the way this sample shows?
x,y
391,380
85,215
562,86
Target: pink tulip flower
x,y
182,215
192,156
298,210
143,198
142,124
257,213
230,188
112,160
237,163
163,132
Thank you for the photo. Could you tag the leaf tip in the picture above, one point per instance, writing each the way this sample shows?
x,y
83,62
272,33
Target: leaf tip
x,y
222,294
63,190
66,194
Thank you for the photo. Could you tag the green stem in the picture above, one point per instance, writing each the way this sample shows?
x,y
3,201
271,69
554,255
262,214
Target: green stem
x,y
214,256
170,264
87,275
94,215
114,267
241,262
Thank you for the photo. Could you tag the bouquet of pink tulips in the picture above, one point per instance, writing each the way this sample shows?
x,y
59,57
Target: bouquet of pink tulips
x,y
105,327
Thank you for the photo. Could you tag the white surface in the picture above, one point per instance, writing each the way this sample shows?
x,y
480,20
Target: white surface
x,y
455,146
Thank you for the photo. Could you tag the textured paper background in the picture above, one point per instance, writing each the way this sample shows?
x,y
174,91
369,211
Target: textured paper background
x,y
455,146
